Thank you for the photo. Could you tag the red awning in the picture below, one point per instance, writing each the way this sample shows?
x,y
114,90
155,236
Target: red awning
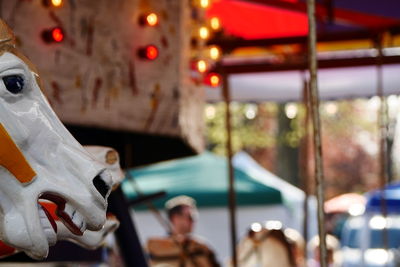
x,y
258,19
254,21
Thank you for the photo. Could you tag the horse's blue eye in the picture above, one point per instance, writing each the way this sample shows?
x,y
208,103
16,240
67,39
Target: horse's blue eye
x,y
14,83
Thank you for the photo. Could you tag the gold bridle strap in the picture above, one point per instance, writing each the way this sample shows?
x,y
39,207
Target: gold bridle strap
x,y
12,158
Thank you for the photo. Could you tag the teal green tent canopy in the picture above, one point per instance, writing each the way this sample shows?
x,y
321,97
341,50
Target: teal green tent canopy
x,y
203,177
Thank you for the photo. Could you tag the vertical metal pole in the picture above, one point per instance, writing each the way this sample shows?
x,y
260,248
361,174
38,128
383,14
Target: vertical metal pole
x,y
319,173
303,162
382,119
232,196
383,131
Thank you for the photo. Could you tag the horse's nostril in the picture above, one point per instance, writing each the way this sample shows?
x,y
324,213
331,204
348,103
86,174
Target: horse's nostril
x,y
101,186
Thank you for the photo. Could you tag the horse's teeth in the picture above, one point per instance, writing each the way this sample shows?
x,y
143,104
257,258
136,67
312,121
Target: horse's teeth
x,y
79,221
47,228
75,216
69,210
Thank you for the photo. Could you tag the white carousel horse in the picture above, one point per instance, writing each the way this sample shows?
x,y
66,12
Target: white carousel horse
x,y
39,159
267,245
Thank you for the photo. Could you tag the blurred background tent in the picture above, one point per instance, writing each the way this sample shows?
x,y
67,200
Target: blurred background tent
x,y
391,196
260,194
202,177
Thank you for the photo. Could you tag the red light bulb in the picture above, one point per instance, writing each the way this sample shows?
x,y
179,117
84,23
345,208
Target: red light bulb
x,y
213,79
149,52
57,34
54,35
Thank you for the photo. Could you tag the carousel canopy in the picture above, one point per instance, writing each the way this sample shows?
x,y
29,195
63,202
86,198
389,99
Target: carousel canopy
x,y
262,41
255,19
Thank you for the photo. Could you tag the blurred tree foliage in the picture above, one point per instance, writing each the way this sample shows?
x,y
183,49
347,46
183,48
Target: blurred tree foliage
x,y
253,126
350,146
349,136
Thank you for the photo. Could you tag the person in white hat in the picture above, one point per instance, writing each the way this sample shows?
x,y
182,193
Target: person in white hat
x,y
181,248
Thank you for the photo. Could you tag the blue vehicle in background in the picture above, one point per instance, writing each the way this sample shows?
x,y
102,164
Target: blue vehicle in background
x,y
371,239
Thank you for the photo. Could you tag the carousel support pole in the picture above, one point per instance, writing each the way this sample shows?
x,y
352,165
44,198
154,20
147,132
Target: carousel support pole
x,y
314,97
232,196
382,118
303,162
383,133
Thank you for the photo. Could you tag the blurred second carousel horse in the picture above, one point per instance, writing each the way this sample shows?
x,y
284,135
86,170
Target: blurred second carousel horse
x,y
269,245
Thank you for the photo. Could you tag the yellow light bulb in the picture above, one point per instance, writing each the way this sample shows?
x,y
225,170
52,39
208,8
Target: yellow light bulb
x,y
56,3
204,33
215,23
215,53
152,19
201,66
204,3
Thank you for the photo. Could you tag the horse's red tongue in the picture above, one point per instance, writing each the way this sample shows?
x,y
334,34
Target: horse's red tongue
x,y
51,220
6,250
69,223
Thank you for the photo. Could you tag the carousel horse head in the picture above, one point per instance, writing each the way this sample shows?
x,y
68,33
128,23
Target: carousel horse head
x,y
92,239
39,159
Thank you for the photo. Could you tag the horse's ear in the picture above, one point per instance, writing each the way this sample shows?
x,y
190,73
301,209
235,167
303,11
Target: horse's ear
x,y
6,34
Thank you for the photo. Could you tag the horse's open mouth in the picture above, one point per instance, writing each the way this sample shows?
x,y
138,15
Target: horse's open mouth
x,y
58,208
72,219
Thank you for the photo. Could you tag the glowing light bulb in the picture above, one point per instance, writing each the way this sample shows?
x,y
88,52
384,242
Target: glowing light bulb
x,y
149,52
214,52
215,23
54,35
57,34
152,19
204,33
56,3
148,19
213,79
201,66
204,3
